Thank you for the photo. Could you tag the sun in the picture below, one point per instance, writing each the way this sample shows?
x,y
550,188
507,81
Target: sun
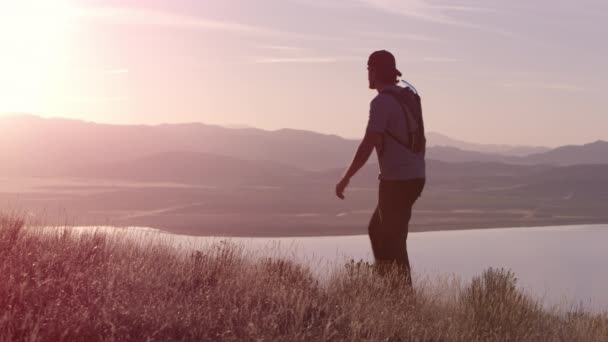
x,y
34,42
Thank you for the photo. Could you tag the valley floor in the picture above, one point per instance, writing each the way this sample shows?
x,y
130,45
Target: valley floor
x,y
294,211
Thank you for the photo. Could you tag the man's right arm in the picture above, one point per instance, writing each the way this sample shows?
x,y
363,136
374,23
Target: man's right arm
x,y
374,138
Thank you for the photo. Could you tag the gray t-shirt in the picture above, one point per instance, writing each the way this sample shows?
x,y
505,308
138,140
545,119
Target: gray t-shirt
x,y
396,161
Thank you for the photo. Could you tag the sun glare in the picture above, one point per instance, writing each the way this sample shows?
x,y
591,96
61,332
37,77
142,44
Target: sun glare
x,y
33,46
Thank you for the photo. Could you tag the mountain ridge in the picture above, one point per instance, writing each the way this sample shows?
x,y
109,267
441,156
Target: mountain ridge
x,y
41,145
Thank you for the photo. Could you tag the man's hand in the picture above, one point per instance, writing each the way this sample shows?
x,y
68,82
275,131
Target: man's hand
x,y
340,187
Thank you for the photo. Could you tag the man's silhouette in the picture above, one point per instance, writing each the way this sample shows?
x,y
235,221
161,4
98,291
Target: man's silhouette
x,y
396,130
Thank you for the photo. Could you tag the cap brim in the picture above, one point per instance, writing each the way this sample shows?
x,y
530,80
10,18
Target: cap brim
x,y
398,73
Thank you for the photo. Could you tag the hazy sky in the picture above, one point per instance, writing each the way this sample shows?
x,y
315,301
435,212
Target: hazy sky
x,y
518,72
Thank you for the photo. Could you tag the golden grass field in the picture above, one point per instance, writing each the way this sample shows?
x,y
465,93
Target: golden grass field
x,y
62,286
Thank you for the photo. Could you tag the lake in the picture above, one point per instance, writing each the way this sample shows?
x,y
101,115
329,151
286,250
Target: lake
x,y
562,265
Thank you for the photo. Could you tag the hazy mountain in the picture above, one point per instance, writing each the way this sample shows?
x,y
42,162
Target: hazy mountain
x,y
51,145
456,155
436,139
36,146
193,168
593,153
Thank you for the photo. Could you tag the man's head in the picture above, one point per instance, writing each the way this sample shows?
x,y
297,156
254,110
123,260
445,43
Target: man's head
x,y
382,69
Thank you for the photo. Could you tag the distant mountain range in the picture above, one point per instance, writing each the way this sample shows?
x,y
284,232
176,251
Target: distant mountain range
x,y
202,179
592,153
436,139
38,146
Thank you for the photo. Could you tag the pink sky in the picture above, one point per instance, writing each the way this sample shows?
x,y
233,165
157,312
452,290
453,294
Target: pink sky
x,y
516,72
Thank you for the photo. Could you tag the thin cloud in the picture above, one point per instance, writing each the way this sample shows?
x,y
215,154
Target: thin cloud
x,y
157,18
140,16
461,8
392,35
340,4
441,59
418,9
279,47
314,60
349,4
544,85
422,10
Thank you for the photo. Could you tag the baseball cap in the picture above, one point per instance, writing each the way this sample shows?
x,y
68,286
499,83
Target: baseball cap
x,y
384,61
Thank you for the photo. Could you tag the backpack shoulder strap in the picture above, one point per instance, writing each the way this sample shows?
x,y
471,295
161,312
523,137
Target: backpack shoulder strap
x,y
417,140
407,113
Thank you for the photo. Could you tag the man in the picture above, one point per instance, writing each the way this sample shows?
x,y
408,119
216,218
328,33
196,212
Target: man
x,y
396,130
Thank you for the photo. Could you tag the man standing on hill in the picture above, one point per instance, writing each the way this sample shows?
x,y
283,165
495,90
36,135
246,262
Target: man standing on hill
x,y
396,130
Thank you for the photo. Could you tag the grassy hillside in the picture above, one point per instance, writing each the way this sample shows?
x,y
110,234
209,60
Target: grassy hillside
x,y
61,286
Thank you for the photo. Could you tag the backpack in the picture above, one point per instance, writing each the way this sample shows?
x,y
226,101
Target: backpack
x,y
412,109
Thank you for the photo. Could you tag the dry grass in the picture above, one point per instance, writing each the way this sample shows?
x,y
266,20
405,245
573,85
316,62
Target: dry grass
x,y
64,286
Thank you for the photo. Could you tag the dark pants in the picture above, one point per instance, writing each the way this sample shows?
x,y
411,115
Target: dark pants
x,y
389,225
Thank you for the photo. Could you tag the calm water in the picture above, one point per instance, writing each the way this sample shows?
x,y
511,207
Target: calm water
x,y
564,265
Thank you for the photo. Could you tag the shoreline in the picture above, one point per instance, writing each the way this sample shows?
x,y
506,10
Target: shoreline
x,y
341,231
151,229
